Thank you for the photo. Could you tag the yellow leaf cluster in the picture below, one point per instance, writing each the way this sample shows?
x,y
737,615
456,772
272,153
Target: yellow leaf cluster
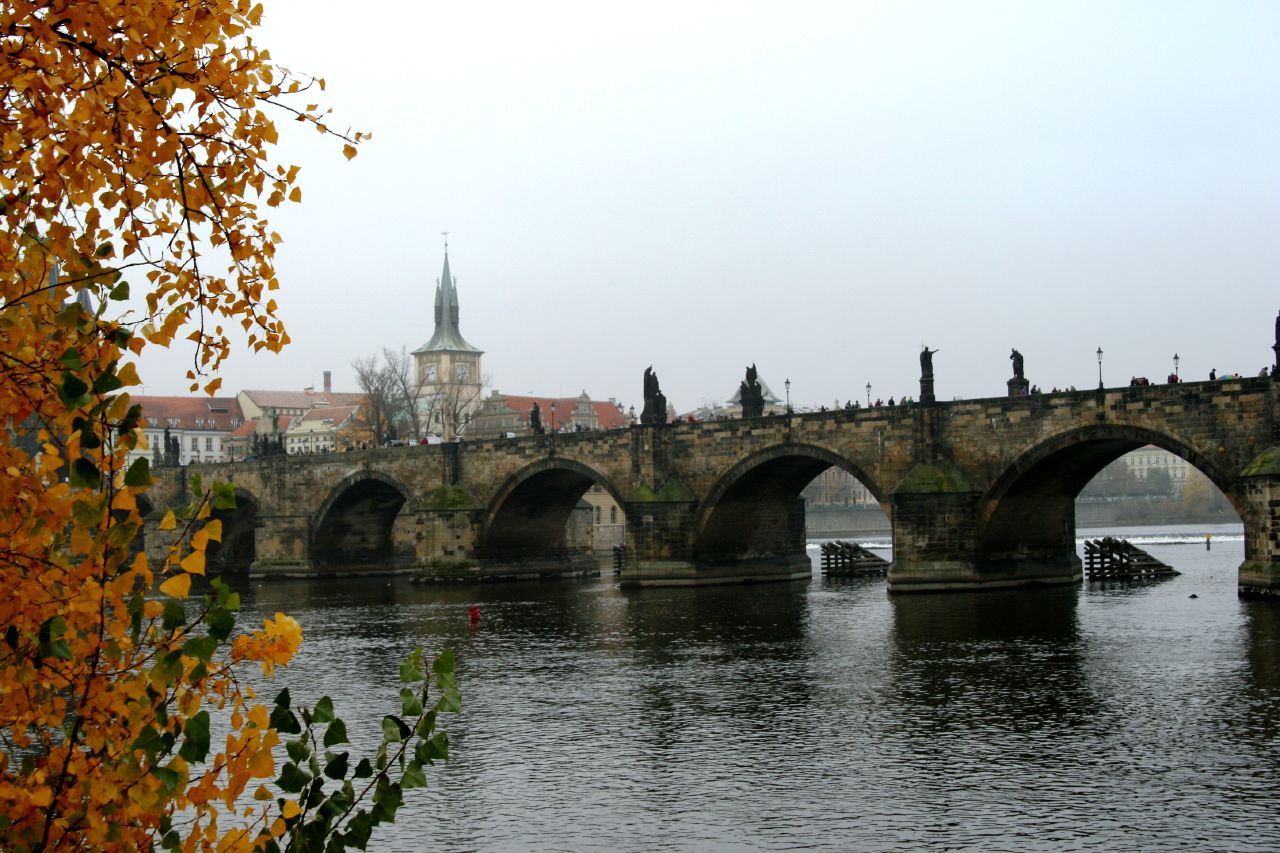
x,y
137,153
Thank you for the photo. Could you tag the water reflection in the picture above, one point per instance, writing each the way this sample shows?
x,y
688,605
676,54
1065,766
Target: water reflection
x,y
823,715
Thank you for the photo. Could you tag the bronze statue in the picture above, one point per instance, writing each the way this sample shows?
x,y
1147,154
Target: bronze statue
x,y
751,395
1017,363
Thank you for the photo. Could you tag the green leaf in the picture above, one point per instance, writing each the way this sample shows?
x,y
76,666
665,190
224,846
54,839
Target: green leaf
x,y
413,777
120,292
284,721
168,778
221,623
337,766
292,778
323,711
73,391
435,748
85,475
411,705
298,750
394,729
336,733
175,615
139,473
411,667
443,663
364,769
71,359
282,699
224,495
107,381
195,746
200,647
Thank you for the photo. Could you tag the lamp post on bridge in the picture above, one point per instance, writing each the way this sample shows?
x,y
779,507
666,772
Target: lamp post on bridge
x,y
1175,366
868,395
1100,386
787,384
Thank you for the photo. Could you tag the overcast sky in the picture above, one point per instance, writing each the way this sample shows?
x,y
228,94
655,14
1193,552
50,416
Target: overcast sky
x,y
818,188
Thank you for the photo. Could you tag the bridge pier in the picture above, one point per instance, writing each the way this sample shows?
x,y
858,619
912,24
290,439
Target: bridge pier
x,y
941,542
1260,572
662,548
282,547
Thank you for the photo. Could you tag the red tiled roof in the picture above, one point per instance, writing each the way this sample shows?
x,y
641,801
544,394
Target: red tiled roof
x,y
337,414
246,428
607,414
302,399
213,413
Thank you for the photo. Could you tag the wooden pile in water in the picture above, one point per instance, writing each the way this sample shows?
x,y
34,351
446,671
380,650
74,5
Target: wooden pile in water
x,y
847,558
1110,559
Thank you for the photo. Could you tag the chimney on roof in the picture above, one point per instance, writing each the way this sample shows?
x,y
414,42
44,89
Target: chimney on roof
x,y
328,381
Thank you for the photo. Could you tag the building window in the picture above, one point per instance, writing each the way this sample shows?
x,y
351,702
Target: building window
x,y
195,443
597,515
208,443
613,515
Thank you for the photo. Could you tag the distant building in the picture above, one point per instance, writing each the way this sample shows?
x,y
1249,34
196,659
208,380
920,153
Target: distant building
x,y
1144,460
447,368
837,487
200,424
316,431
262,405
508,414
731,409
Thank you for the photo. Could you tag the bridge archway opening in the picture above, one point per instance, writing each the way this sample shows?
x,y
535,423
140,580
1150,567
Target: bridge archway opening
x,y
550,511
1032,511
759,508
237,550
355,527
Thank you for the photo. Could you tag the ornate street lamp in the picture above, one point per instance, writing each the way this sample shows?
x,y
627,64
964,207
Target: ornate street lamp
x,y
787,383
1175,365
868,395
1100,386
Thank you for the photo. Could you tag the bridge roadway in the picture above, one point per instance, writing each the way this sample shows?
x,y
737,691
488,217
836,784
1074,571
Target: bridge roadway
x,y
980,492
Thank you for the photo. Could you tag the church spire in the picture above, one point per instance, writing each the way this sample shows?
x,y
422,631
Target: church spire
x,y
447,334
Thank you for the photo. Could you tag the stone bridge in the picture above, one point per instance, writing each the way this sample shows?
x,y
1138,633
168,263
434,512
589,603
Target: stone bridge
x,y
980,493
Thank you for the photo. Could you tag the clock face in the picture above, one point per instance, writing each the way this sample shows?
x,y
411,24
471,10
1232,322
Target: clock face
x,y
431,373
463,371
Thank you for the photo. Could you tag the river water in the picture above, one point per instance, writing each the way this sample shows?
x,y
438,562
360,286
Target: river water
x,y
824,715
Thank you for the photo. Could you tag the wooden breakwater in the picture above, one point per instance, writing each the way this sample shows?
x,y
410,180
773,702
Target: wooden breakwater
x,y
848,558
1109,559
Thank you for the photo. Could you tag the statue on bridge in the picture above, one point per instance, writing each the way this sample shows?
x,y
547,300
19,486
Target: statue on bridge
x,y
535,420
655,404
1275,368
926,362
751,395
926,374
1018,385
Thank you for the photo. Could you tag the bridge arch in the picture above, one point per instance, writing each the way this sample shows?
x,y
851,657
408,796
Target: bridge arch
x,y
355,525
1029,509
752,509
238,548
529,513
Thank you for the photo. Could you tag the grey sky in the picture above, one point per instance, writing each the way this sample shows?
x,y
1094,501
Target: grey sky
x,y
815,187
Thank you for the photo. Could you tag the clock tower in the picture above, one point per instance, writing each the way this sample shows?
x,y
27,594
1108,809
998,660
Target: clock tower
x,y
447,368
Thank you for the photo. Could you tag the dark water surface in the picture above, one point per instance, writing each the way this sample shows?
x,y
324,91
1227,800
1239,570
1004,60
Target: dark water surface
x,y
825,715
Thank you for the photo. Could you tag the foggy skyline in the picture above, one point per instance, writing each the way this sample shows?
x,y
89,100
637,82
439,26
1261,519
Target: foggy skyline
x,y
818,190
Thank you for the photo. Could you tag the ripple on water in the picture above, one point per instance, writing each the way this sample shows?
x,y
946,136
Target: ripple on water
x,y
826,715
